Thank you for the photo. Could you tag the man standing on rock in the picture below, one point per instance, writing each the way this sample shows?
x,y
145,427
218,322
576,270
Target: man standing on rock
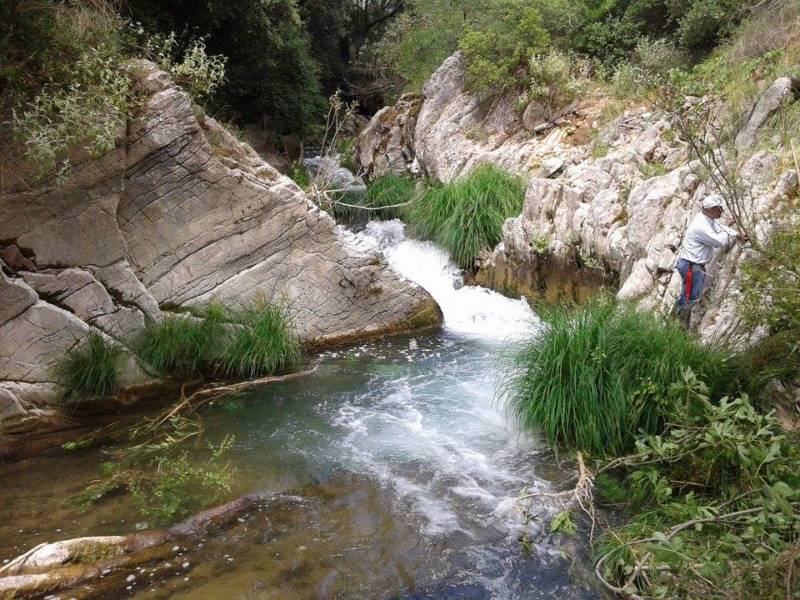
x,y
703,235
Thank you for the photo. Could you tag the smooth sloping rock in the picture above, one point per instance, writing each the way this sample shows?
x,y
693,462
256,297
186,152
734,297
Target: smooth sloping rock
x,y
197,228
783,90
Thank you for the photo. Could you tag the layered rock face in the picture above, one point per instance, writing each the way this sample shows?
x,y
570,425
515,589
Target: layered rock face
x,y
181,214
588,221
454,130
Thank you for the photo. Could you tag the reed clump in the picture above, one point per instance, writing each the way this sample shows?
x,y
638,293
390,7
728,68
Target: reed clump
x,y
599,374
466,216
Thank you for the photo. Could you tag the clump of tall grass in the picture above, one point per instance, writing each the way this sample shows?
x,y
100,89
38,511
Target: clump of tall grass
x,y
466,216
183,345
91,369
600,373
263,344
387,195
246,342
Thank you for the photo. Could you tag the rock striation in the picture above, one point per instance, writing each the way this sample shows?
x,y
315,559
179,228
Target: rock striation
x,y
607,209
180,214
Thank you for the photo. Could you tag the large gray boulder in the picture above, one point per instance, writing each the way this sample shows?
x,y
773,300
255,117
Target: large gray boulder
x,y
181,214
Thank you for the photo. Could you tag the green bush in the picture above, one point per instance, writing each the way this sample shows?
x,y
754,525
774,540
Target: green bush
x,y
716,497
769,299
263,344
271,76
300,175
91,369
495,49
553,81
466,216
596,375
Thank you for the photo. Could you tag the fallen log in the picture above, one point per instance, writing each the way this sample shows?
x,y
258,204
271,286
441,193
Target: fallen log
x,y
53,566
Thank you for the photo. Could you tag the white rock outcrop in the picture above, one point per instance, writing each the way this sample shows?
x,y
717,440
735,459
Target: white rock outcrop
x,y
614,220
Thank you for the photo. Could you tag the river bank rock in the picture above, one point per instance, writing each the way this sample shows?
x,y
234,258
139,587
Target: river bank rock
x,y
606,206
180,214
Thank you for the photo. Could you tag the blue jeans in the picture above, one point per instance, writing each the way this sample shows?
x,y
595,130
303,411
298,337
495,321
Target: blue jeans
x,y
698,278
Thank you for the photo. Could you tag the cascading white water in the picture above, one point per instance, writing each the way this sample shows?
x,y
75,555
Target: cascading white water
x,y
467,309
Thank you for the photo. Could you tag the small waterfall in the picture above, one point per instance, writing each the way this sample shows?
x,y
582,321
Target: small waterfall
x,y
467,309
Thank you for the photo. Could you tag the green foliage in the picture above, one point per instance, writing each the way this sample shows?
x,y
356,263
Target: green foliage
x,y
467,215
300,175
247,342
263,344
553,81
91,369
271,77
387,193
182,346
718,494
197,72
164,482
65,81
599,373
76,93
495,48
770,280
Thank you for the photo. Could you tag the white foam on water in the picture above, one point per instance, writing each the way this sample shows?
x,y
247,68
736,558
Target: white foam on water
x,y
467,309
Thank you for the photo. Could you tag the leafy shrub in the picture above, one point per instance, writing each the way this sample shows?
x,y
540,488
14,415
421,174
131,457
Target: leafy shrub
x,y
300,175
598,374
271,76
76,95
770,280
466,216
91,369
718,497
553,81
496,48
263,344
197,72
79,94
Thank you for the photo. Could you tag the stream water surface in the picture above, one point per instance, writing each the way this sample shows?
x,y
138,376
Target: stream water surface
x,y
394,472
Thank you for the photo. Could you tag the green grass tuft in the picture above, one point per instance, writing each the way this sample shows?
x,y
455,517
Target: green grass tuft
x,y
385,193
251,341
182,346
467,216
91,369
265,344
598,374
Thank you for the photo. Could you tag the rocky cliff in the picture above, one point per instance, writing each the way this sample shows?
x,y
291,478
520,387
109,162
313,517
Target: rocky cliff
x,y
179,214
604,206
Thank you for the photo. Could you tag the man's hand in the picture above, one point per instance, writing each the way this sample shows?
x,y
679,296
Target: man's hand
x,y
743,237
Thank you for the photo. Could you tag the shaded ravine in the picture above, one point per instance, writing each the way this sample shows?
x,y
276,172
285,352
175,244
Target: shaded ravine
x,y
394,471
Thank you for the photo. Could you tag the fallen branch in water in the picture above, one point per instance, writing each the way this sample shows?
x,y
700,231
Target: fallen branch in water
x,y
580,495
57,565
209,392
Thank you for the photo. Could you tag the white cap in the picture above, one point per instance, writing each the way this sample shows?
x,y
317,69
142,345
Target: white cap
x,y
713,201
